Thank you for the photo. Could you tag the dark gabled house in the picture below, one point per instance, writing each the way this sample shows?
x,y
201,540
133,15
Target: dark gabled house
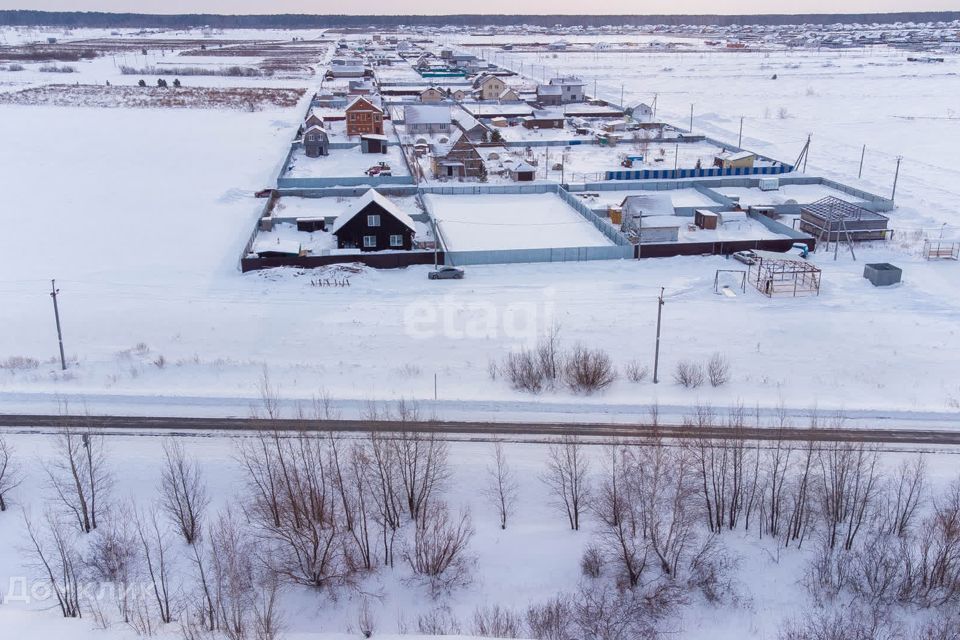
x,y
373,223
316,143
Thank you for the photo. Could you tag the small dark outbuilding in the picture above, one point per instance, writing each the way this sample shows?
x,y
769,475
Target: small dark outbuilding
x,y
373,223
373,143
316,143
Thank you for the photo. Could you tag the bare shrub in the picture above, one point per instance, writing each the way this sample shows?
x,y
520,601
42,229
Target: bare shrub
x,y
591,562
366,621
113,558
10,477
718,370
78,475
438,622
549,356
551,620
53,68
605,613
502,485
19,363
438,554
567,477
523,371
588,370
710,572
160,361
635,371
183,494
842,623
497,622
688,374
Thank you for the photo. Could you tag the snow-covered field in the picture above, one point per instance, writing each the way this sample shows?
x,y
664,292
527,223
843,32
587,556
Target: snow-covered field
x,y
141,215
487,222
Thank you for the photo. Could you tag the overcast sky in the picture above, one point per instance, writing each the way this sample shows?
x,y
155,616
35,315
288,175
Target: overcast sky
x,y
484,6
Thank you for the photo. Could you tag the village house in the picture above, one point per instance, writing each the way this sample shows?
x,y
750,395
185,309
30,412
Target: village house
x,y
374,223
422,118
473,129
431,95
460,95
488,87
571,88
313,120
316,143
508,95
549,95
361,88
364,116
457,159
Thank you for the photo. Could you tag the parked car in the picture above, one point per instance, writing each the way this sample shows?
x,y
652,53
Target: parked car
x,y
746,257
446,273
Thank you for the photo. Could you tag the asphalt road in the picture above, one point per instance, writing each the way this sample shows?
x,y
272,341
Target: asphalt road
x,y
506,429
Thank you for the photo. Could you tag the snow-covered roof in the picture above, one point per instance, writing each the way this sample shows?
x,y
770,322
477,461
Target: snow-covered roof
x,y
373,101
316,129
549,90
371,196
648,204
373,136
567,80
426,114
523,167
543,114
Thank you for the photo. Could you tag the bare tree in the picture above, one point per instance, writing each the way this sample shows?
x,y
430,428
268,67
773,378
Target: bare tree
x,y
183,494
502,484
849,482
57,554
567,477
352,482
617,506
78,475
383,475
10,477
422,463
904,495
155,546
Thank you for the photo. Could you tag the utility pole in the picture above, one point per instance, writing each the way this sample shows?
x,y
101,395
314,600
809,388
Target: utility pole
x,y
896,176
56,314
436,243
691,118
655,96
676,159
862,154
740,138
656,353
622,106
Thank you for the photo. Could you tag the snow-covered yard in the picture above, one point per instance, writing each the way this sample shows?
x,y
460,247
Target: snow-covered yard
x,y
501,221
341,163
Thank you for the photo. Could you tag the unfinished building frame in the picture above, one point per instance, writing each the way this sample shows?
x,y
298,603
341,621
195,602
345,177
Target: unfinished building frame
x,y
777,275
834,220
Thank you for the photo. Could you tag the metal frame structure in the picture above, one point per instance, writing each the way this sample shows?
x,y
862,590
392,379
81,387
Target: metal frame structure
x,y
743,279
941,249
784,276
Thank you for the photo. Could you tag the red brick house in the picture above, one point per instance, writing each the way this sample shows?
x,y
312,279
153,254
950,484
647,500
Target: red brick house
x,y
363,116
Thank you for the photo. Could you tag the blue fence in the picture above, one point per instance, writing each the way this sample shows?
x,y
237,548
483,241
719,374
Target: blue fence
x,y
711,172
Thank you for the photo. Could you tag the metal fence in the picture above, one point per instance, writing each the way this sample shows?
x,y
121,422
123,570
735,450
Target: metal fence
x,y
513,256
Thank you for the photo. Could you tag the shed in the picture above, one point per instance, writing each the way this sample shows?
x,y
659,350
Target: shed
x,y
735,160
278,249
311,224
541,119
523,172
373,143
654,203
374,223
653,229
705,219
